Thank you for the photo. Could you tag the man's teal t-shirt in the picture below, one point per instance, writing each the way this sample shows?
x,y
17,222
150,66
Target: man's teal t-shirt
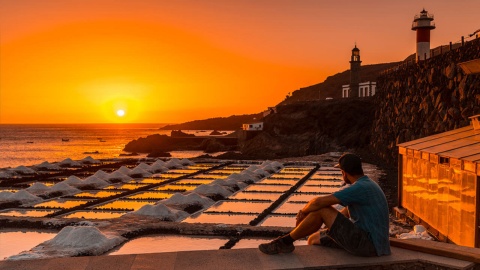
x,y
368,209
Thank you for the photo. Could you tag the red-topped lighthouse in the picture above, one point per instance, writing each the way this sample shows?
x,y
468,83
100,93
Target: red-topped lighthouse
x,y
423,23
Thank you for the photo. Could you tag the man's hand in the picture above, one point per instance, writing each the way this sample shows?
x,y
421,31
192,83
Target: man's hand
x,y
300,216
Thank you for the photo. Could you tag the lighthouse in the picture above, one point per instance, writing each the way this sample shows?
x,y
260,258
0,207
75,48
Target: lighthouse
x,y
423,23
354,72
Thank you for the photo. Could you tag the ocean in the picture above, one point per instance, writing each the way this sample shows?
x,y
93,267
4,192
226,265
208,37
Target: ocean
x,y
31,144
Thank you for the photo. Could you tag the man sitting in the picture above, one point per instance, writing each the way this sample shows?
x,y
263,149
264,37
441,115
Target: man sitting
x,y
361,228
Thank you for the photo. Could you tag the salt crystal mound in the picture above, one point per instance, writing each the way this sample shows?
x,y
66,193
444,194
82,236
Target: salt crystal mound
x,y
47,166
242,177
5,195
173,164
181,201
253,168
269,169
139,172
24,197
261,173
69,162
90,160
6,174
212,190
94,182
24,170
37,188
73,241
158,162
117,175
64,188
144,166
186,162
124,170
251,174
73,181
157,168
102,175
160,211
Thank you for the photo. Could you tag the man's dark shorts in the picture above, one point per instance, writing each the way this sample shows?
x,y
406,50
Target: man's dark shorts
x,y
345,234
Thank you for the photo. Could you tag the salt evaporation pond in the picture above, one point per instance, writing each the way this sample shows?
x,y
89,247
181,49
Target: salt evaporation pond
x,y
169,243
15,241
242,201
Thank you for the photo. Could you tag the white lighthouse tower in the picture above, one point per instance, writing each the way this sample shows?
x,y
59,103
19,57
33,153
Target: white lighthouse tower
x,y
423,23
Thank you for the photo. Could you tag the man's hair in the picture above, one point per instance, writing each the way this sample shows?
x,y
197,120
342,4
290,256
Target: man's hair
x,y
350,163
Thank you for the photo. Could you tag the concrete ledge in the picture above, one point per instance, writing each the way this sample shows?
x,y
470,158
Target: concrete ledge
x,y
304,257
439,248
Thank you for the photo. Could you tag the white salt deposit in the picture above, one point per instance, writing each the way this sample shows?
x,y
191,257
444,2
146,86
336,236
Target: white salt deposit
x,y
124,170
186,162
69,162
64,188
139,172
160,211
37,188
47,166
73,241
181,201
253,168
24,197
268,168
174,164
95,182
102,175
5,195
144,166
6,174
90,160
159,162
209,190
157,168
241,177
117,175
23,170
261,173
73,181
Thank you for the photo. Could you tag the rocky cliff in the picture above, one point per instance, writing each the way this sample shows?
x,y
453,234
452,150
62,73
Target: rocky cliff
x,y
422,99
315,127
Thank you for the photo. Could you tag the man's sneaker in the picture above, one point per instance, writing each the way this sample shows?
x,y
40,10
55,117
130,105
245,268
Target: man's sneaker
x,y
275,247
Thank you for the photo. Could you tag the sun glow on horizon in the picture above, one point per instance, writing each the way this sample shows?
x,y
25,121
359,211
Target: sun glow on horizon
x,y
120,113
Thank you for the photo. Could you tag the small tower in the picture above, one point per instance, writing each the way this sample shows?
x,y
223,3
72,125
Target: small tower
x,y
423,23
354,72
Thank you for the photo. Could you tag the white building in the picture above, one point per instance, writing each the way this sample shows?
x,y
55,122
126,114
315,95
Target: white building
x,y
253,126
365,89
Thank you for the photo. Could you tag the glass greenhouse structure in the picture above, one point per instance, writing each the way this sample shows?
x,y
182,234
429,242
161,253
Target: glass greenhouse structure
x,y
439,183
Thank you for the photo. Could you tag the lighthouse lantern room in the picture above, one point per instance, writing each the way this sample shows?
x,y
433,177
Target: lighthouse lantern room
x,y
423,23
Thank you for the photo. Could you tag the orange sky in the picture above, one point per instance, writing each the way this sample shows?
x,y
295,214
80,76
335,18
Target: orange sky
x,y
79,61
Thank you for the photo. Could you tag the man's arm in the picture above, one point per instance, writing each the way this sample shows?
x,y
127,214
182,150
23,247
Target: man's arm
x,y
319,203
316,204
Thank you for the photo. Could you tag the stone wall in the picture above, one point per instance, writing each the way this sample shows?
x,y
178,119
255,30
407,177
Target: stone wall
x,y
419,100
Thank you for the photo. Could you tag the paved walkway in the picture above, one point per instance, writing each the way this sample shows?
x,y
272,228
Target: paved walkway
x,y
304,257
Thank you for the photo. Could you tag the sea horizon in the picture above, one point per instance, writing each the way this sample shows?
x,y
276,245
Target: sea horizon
x,y
31,144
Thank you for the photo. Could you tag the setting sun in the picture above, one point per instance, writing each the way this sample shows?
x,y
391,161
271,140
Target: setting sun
x,y
120,113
